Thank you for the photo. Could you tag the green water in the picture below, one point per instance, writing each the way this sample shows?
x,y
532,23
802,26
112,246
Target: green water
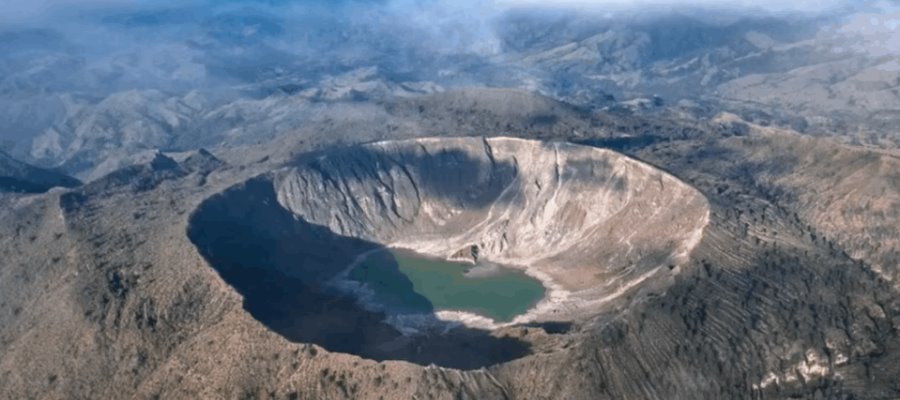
x,y
413,283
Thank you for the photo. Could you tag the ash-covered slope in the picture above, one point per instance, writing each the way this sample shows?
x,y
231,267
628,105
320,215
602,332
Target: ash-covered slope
x,y
16,176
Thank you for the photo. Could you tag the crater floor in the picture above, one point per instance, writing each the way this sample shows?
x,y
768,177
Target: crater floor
x,y
410,283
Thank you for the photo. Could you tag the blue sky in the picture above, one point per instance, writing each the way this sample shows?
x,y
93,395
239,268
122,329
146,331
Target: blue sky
x,y
22,10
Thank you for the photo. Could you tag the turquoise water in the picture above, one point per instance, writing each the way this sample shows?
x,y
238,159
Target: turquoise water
x,y
413,283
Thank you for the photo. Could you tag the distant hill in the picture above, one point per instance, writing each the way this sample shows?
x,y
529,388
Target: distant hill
x,y
16,176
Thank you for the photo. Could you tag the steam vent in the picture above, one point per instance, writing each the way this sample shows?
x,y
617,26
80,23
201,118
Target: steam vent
x,y
595,228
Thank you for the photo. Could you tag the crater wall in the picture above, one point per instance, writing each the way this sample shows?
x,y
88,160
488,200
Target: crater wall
x,y
591,223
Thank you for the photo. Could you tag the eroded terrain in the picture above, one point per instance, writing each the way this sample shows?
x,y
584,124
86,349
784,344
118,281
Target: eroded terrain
x,y
103,292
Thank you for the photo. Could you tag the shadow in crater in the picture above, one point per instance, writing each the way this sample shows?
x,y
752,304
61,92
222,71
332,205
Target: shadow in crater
x,y
466,176
623,144
279,264
551,327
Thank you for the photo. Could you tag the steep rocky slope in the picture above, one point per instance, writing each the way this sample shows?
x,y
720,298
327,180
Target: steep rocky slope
x,y
849,195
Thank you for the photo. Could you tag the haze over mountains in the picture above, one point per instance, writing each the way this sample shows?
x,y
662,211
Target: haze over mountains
x,y
16,176
708,191
195,74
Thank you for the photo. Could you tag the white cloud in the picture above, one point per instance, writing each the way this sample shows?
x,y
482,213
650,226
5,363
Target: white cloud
x,y
775,6
24,12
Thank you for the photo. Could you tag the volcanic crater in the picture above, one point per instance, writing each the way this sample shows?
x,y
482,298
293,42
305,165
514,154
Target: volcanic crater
x,y
593,226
